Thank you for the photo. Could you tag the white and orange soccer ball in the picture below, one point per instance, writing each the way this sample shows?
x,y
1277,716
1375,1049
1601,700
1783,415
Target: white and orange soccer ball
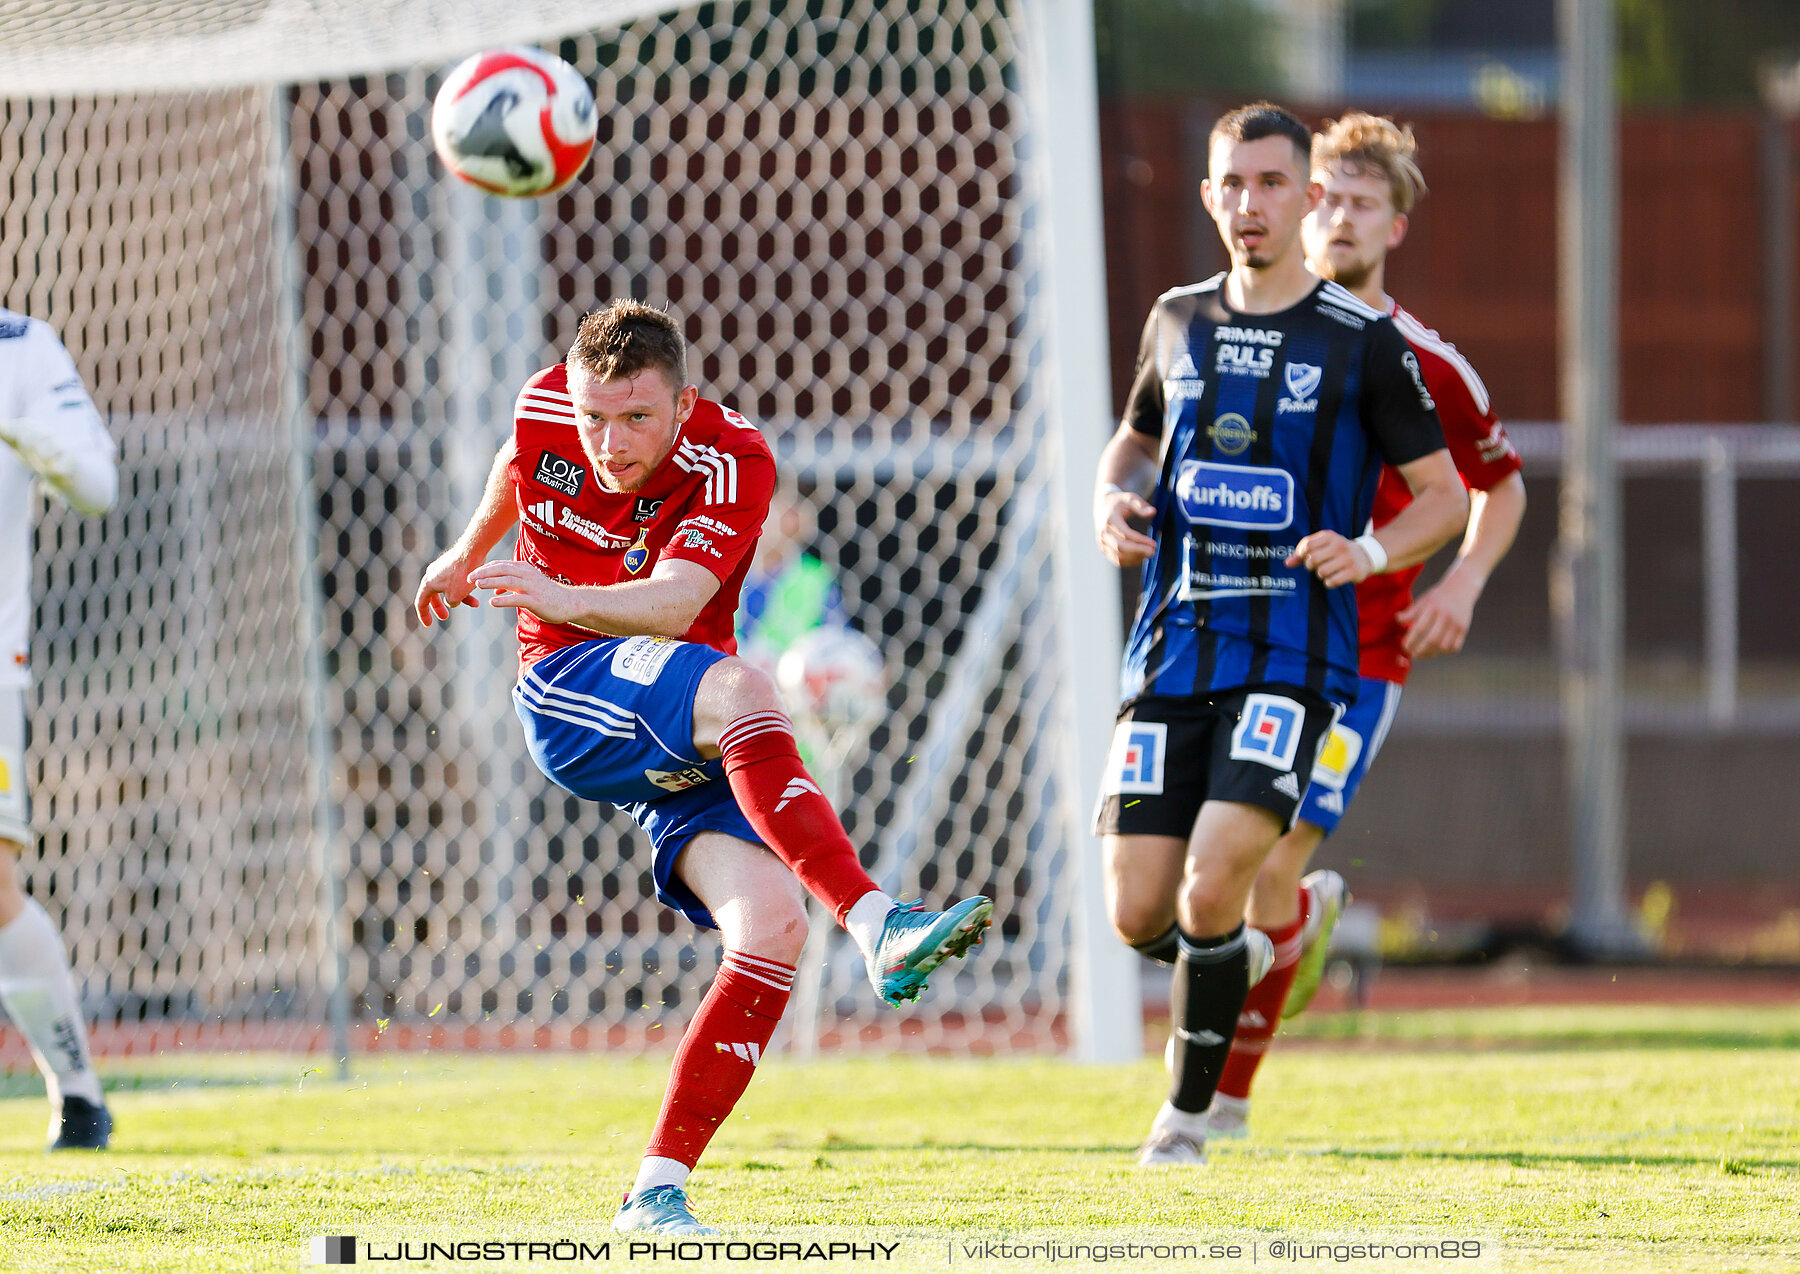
x,y
518,122
836,675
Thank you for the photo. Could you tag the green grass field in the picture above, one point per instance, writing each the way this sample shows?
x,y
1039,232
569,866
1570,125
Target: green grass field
x,y
1577,1139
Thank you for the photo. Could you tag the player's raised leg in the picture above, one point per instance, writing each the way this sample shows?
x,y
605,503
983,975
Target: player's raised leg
x,y
738,717
38,992
762,918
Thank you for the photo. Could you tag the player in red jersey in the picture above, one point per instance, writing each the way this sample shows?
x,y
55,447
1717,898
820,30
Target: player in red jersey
x,y
638,505
1371,178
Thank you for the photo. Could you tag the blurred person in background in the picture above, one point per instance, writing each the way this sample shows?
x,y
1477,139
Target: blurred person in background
x,y
788,592
1368,169
1264,405
50,432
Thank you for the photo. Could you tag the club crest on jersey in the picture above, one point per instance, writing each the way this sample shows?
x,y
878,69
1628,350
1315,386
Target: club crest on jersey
x,y
678,780
645,509
1247,497
1268,732
1301,381
1231,434
638,553
1139,749
563,475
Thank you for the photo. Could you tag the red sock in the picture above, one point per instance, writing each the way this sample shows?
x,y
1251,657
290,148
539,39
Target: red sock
x,y
719,1053
1262,1011
788,810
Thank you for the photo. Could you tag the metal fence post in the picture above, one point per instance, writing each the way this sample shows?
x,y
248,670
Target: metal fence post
x,y
1718,513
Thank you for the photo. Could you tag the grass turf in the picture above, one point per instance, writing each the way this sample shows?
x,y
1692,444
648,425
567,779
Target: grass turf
x,y
1574,1139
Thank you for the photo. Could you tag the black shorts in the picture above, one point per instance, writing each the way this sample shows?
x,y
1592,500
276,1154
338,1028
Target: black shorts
x,y
1255,745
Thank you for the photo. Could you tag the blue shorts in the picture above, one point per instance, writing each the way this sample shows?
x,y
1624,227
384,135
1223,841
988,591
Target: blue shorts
x,y
1348,752
613,720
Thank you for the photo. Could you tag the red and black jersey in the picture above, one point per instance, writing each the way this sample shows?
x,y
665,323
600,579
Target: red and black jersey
x,y
1484,456
705,503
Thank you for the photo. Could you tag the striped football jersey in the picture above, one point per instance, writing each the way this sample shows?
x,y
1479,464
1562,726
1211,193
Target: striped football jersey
x,y
1272,427
704,503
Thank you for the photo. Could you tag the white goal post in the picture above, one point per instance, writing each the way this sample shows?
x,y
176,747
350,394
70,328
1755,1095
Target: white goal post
x,y
273,811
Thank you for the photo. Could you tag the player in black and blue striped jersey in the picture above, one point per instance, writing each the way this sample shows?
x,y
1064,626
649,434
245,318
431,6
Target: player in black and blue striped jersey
x,y
1264,405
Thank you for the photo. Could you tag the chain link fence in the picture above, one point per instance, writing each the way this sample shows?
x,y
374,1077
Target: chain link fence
x,y
839,200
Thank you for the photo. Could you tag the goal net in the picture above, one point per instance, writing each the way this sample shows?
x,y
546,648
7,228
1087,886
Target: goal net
x,y
257,781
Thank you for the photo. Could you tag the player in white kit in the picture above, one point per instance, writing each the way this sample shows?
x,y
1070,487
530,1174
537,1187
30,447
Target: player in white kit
x,y
51,432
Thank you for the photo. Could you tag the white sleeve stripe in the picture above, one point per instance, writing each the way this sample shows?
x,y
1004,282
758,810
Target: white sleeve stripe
x,y
722,488
1416,333
1344,298
528,414
548,395
720,469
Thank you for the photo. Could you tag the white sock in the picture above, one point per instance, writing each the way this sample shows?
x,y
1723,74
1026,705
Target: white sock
x,y
1181,1121
866,918
39,995
658,1171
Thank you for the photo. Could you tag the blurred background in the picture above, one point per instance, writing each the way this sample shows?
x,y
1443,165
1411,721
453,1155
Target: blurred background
x,y
1460,836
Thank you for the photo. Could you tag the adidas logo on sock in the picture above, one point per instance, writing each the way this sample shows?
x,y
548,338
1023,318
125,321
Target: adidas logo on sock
x,y
1287,785
795,788
751,1053
1252,1019
1205,1039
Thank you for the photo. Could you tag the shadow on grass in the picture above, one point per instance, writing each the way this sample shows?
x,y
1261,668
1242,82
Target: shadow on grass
x,y
25,1085
1725,1166
1353,1034
1543,1159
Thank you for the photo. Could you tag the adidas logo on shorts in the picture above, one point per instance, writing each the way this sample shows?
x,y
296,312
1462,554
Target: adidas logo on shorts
x,y
1287,785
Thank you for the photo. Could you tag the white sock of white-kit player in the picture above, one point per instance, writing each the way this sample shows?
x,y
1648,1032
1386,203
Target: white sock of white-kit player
x,y
38,992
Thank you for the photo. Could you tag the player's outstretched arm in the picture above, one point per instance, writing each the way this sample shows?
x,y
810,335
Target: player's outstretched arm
x,y
1438,622
446,582
1127,466
58,433
78,465
664,605
1438,511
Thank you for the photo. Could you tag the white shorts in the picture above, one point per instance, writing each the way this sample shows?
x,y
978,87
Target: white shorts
x,y
15,805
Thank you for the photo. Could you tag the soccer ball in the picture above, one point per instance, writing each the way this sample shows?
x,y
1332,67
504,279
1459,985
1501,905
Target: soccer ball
x,y
517,122
837,675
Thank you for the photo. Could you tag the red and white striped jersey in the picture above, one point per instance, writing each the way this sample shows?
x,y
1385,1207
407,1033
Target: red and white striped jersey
x,y
1484,456
705,503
